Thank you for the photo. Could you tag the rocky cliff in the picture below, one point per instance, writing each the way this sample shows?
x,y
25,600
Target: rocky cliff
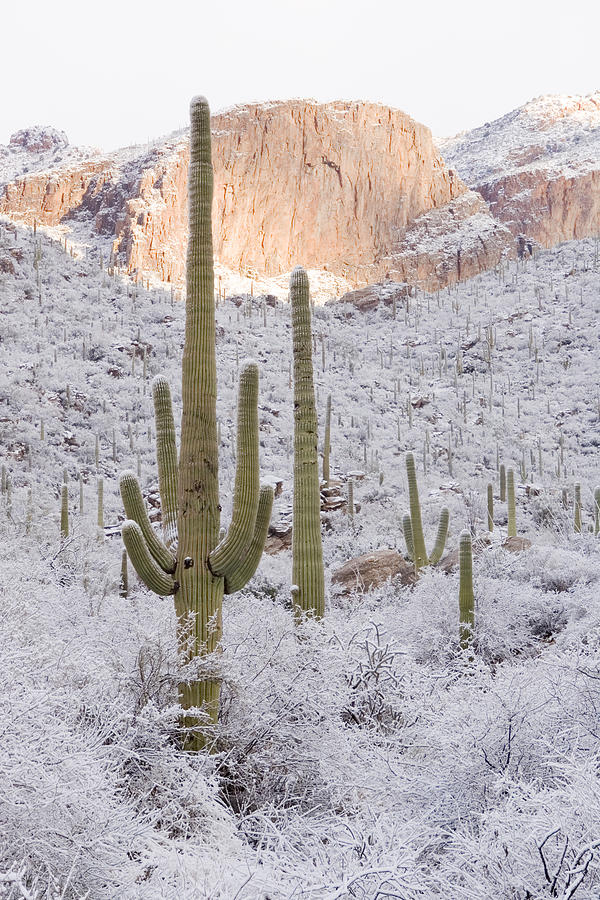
x,y
538,167
355,189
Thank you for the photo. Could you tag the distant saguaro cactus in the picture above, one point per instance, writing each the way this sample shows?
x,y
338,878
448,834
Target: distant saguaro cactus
x,y
191,562
307,547
466,597
577,509
597,510
419,551
512,509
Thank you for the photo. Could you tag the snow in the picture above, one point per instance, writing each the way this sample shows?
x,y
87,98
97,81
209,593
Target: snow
x,y
556,134
366,756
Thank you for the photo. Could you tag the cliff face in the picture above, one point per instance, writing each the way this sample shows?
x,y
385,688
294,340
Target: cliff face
x,y
341,187
538,167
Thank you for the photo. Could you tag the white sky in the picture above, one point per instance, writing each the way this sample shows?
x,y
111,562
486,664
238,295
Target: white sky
x,y
115,72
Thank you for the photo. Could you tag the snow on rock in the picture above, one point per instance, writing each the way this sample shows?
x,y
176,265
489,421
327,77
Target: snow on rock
x,y
538,167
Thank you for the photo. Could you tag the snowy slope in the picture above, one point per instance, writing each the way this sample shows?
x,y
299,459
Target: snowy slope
x,y
559,134
371,758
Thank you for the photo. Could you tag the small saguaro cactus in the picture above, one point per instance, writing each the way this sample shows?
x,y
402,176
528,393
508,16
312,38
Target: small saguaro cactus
x,y
64,511
327,441
123,580
193,562
503,483
466,597
419,552
577,509
597,510
490,506
307,547
512,509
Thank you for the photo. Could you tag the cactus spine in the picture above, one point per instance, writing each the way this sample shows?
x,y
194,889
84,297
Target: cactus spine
x,y
466,598
193,562
307,549
512,510
419,551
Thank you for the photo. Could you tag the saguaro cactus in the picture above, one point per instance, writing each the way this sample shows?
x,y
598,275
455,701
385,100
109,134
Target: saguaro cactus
x,y
466,597
577,509
307,547
419,551
490,506
512,509
64,511
596,510
192,562
327,441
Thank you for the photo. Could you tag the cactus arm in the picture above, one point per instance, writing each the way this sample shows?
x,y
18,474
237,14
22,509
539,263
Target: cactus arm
x,y
512,510
166,457
466,598
135,509
408,536
249,564
144,564
420,553
123,580
307,547
228,555
440,538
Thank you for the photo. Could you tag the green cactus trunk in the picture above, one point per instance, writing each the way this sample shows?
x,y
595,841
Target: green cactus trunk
x,y
577,509
307,549
596,510
466,597
512,509
196,562
64,511
503,483
419,551
490,507
199,598
327,441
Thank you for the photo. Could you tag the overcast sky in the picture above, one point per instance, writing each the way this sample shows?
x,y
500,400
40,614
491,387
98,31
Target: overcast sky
x,y
115,72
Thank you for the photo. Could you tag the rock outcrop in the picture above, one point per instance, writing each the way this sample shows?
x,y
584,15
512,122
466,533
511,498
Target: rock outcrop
x,y
354,189
538,167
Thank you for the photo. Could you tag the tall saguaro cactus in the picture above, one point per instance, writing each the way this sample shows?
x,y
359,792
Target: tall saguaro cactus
x,y
466,598
307,547
192,562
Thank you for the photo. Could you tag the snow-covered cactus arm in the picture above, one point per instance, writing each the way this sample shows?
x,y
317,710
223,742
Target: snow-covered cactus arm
x,y
307,548
144,564
135,509
247,566
166,457
440,538
230,552
408,536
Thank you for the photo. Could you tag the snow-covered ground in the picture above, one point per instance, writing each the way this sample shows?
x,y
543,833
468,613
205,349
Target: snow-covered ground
x,y
367,757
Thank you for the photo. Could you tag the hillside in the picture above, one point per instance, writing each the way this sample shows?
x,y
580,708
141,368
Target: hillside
x,y
370,756
538,167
